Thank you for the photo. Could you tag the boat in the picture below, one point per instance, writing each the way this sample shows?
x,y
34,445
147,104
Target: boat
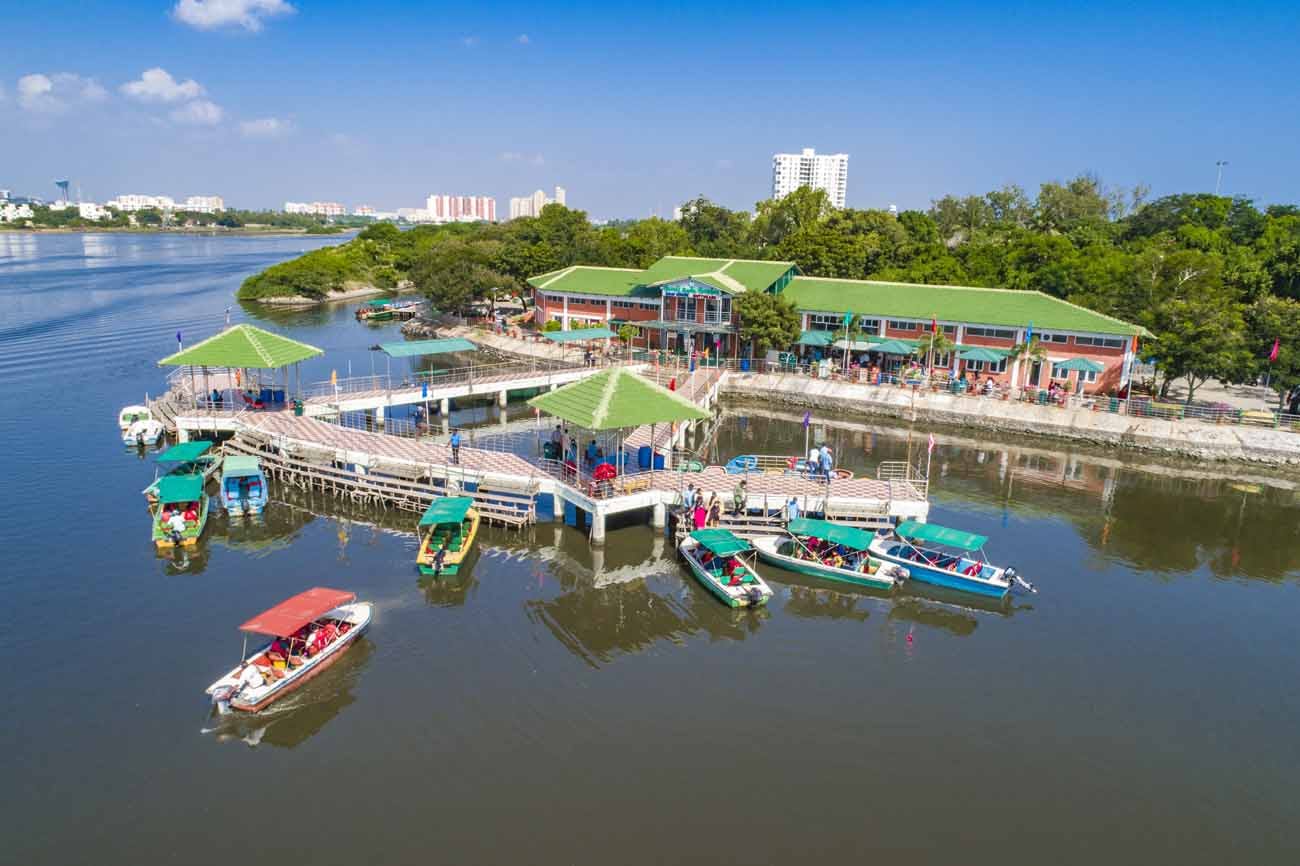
x,y
450,522
146,431
189,458
182,493
131,414
793,552
243,485
925,550
717,559
312,630
386,309
749,464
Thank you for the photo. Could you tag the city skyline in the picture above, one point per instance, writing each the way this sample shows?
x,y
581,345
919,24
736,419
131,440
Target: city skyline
x,y
930,101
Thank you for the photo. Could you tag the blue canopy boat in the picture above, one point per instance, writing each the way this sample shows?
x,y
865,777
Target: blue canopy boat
x,y
925,550
243,485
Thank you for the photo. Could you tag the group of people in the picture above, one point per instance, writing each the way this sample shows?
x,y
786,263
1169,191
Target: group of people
x,y
702,514
821,462
730,567
175,518
830,554
287,653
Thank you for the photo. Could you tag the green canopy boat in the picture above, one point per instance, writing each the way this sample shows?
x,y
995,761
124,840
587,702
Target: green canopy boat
x,y
447,529
717,558
187,458
831,551
183,496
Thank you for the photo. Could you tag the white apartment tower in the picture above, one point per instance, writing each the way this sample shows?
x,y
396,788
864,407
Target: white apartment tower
x,y
531,205
826,171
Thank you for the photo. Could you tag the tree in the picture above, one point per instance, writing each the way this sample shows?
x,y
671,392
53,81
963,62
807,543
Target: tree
x,y
713,230
651,239
454,274
1032,352
552,325
1270,319
801,209
767,321
1198,337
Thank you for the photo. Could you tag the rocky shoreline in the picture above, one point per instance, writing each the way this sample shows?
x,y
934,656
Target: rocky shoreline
x,y
349,293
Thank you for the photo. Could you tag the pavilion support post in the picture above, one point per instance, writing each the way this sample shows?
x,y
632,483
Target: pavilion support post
x,y
658,515
501,398
597,526
444,407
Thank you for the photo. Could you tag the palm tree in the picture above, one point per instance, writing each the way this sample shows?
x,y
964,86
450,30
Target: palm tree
x,y
1033,351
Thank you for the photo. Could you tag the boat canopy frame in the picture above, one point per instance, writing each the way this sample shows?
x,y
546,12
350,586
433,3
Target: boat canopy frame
x,y
849,536
446,509
943,535
293,613
240,466
721,542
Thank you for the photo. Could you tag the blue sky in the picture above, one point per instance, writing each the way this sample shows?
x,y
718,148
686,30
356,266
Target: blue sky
x,y
636,108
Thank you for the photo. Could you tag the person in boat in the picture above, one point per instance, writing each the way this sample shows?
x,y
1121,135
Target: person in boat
x,y
440,557
688,499
176,526
191,512
729,571
706,558
792,510
249,678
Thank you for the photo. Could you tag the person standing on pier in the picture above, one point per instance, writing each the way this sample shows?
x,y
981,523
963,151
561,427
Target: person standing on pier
x,y
828,462
455,448
792,510
739,497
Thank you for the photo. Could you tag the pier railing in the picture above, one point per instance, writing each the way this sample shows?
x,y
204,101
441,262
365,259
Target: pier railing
x,y
474,373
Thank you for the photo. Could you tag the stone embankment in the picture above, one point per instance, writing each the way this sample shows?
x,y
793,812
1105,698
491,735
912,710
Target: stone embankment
x,y
350,291
1180,438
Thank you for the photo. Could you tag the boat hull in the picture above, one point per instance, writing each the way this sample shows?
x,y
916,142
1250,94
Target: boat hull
x,y
163,540
923,573
768,552
688,550
455,558
310,671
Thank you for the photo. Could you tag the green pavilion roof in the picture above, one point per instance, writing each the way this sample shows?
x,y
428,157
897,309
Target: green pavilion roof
x,y
979,353
941,535
242,346
587,280
426,347
1009,308
447,509
1083,365
849,536
728,275
617,398
721,542
577,335
184,452
240,465
816,338
180,488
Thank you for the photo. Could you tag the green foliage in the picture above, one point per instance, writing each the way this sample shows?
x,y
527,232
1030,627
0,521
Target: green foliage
x,y
552,325
767,321
627,333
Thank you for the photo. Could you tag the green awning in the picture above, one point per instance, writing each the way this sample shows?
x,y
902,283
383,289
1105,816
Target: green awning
x,y
185,452
1083,365
720,541
893,347
979,353
379,302
242,346
617,398
578,335
427,347
816,338
941,535
238,465
859,345
180,488
849,536
448,509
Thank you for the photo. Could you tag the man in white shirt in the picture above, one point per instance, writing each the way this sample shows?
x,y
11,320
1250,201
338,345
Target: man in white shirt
x,y
814,460
176,524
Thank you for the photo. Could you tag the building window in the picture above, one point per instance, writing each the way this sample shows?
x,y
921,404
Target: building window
x,y
903,326
987,366
995,333
1054,338
825,322
1058,373
871,326
1104,342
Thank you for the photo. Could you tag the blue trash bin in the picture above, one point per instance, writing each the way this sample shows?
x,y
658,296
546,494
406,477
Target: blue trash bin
x,y
643,457
659,461
744,365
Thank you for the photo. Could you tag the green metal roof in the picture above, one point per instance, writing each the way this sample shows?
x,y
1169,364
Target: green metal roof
x,y
587,280
448,509
1000,307
893,347
426,347
979,353
239,465
757,276
816,338
578,334
680,267
1085,365
185,452
720,541
242,346
728,275
180,488
849,536
617,398
941,535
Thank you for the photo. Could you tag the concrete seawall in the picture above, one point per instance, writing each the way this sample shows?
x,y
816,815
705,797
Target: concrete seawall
x,y
1189,439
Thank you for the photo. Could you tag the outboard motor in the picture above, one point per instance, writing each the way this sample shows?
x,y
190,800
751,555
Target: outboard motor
x,y
221,698
1013,577
754,594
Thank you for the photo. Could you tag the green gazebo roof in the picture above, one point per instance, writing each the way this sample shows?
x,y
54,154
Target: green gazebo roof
x,y
578,334
242,346
979,353
617,398
1083,365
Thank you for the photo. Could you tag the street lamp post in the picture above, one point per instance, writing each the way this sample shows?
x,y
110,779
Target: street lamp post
x,y
1218,180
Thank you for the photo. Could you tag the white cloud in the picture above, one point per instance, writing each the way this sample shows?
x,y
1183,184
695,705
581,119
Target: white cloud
x,y
265,127
157,85
469,41
200,112
54,94
212,14
523,39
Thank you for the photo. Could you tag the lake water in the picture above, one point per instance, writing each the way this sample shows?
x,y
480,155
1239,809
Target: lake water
x,y
562,705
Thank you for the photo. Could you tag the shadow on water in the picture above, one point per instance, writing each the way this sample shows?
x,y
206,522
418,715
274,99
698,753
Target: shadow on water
x,y
302,714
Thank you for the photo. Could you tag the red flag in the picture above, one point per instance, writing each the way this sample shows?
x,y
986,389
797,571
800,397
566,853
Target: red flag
x,y
1272,356
934,326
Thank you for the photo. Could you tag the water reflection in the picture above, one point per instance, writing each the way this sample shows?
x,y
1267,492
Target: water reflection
x,y
302,714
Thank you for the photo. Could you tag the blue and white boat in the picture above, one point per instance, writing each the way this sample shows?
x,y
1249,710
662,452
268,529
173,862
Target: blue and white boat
x,y
243,485
926,550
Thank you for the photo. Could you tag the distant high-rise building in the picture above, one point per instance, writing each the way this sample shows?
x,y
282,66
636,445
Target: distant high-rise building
x,y
315,208
204,204
461,208
531,205
363,210
827,171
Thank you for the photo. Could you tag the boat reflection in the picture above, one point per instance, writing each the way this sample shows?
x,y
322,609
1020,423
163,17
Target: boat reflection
x,y
300,715
816,603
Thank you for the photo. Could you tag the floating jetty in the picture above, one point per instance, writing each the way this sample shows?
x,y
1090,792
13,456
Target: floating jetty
x,y
317,443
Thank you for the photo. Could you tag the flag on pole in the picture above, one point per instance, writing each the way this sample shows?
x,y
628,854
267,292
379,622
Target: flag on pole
x,y
179,344
934,325
848,318
1029,334
930,448
1272,355
807,419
